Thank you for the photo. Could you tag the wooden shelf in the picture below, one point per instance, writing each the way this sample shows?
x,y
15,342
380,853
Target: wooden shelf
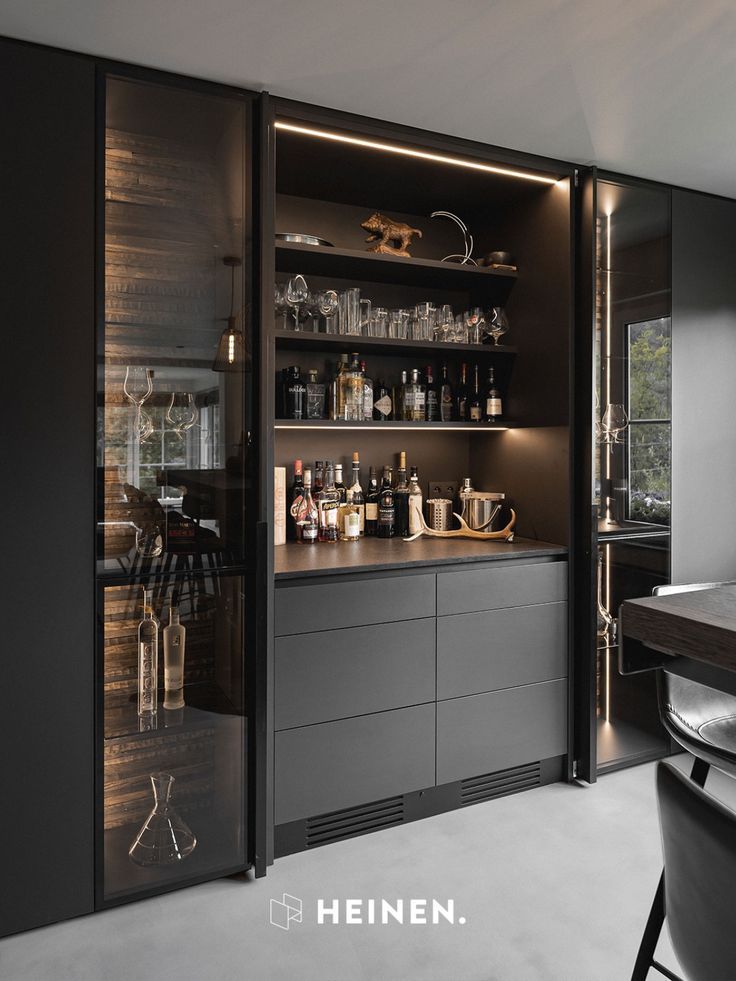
x,y
432,427
290,340
319,260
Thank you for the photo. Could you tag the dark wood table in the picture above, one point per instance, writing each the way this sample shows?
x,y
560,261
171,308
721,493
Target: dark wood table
x,y
693,634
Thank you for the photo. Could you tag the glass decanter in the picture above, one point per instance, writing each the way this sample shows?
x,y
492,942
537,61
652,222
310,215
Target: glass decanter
x,y
164,838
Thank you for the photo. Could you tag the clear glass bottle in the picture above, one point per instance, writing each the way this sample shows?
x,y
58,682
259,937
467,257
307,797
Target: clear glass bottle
x,y
475,405
337,408
415,503
148,657
401,499
415,399
400,407
307,518
315,397
328,503
367,394
175,636
386,524
352,387
164,838
371,503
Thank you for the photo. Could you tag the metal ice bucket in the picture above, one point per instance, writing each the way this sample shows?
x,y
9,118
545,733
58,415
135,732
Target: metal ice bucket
x,y
480,509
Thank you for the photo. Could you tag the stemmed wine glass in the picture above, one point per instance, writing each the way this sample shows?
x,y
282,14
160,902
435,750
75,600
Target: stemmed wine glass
x,y
296,295
499,324
614,423
281,307
182,413
138,386
327,303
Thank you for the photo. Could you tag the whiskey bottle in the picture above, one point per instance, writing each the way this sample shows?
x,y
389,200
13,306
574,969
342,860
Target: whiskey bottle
x,y
293,500
401,499
328,503
367,394
475,406
340,484
147,657
447,397
383,406
494,406
462,395
385,527
355,493
296,393
307,519
371,503
432,399
415,503
174,635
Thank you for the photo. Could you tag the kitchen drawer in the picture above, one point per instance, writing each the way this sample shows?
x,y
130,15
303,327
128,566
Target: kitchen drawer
x,y
479,652
334,674
484,733
334,765
505,585
355,603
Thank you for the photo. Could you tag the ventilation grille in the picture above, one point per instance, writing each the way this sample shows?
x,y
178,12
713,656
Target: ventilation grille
x,y
354,821
498,784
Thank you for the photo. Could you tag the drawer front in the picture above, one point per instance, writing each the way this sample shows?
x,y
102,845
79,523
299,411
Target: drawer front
x,y
331,605
484,733
328,767
338,673
473,590
478,652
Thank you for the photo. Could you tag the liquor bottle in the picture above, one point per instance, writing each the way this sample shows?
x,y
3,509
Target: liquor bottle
x,y
175,636
337,409
371,503
386,525
355,492
307,519
147,657
447,397
415,503
475,405
296,394
340,484
494,406
318,478
400,399
367,394
401,499
315,397
327,504
461,396
293,500
350,395
383,405
432,398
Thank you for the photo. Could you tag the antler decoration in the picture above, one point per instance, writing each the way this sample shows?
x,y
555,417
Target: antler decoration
x,y
505,534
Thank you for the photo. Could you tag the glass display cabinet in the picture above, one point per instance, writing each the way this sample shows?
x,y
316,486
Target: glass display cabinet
x,y
175,553
631,437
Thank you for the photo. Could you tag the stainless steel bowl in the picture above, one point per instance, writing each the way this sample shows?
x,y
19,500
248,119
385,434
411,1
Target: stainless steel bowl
x,y
300,238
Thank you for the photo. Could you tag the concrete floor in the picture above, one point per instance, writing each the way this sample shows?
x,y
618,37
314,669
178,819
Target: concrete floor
x,y
554,884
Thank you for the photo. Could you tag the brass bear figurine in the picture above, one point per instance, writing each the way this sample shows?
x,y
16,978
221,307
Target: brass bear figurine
x,y
388,230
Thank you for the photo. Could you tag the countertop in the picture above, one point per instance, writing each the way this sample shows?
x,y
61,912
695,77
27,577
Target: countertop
x,y
292,561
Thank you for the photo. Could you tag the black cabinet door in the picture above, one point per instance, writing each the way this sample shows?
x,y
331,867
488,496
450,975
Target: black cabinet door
x,y
47,119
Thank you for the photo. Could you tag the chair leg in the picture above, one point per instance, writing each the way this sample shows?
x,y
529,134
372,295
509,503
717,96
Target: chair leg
x,y
699,771
651,935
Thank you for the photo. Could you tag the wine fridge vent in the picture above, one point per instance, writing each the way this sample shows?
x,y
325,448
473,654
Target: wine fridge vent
x,y
499,784
354,821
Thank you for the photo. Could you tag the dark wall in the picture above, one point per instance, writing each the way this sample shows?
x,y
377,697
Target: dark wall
x,y
703,387
47,316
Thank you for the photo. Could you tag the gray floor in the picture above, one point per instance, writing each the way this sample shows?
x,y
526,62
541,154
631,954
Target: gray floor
x,y
554,884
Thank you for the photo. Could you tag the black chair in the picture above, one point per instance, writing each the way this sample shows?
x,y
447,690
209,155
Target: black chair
x,y
699,847
703,721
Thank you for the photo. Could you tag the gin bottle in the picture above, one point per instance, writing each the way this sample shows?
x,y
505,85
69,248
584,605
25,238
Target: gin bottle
x,y
175,635
147,657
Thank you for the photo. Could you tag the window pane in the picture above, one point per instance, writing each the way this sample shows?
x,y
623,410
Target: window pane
x,y
650,356
649,475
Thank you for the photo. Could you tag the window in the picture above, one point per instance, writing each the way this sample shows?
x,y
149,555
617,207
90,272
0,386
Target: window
x,y
650,424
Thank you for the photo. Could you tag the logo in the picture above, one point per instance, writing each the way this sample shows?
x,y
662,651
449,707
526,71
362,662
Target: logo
x,y
284,911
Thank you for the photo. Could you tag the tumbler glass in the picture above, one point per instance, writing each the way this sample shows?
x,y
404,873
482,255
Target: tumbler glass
x,y
350,312
378,324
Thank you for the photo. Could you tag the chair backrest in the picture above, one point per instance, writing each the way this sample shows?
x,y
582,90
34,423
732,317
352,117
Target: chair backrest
x,y
669,588
699,844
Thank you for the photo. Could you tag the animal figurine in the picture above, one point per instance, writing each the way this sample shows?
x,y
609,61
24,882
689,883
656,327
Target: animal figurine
x,y
386,230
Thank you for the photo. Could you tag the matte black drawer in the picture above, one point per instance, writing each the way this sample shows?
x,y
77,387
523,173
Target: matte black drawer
x,y
325,606
479,652
484,733
334,674
327,767
508,584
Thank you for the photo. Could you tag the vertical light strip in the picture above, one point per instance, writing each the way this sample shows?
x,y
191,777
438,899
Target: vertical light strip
x,y
607,366
608,649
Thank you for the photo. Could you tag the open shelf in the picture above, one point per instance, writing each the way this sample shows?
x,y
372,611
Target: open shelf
x,y
290,340
318,260
337,424
630,529
203,703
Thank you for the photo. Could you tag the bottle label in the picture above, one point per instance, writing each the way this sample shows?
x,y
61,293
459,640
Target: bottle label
x,y
328,513
295,505
386,516
383,405
475,413
308,531
432,406
371,512
493,407
352,524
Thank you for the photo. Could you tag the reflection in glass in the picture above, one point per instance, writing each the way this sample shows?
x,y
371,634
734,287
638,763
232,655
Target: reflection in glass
x,y
138,386
182,413
165,837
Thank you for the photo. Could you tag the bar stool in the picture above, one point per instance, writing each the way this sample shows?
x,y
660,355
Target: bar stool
x,y
699,847
703,721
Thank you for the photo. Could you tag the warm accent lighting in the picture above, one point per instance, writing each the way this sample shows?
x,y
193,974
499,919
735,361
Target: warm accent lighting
x,y
332,424
230,354
405,151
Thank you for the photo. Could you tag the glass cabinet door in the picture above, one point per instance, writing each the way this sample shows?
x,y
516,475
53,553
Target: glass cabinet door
x,y
632,457
174,475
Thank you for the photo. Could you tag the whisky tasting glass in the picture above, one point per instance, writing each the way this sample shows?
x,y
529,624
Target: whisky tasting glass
x,y
499,323
327,304
182,413
296,295
614,423
164,838
138,386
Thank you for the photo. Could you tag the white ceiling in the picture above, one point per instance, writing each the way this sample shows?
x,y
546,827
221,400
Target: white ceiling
x,y
645,87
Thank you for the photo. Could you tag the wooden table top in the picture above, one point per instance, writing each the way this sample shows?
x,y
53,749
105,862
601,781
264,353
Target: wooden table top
x,y
700,624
